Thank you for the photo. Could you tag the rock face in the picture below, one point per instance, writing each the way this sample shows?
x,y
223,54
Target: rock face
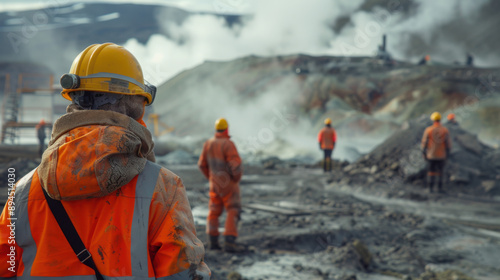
x,y
336,87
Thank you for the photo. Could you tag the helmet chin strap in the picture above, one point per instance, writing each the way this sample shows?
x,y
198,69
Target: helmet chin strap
x,y
92,100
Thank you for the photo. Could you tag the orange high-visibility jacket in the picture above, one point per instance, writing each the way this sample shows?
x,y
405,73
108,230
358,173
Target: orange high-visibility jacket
x,y
436,141
327,138
132,214
221,164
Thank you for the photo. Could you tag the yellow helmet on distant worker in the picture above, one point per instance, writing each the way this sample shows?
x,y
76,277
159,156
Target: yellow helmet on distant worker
x,y
221,124
436,116
328,121
107,68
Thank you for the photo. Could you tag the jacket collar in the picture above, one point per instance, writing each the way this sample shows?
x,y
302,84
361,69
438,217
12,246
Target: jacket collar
x,y
93,153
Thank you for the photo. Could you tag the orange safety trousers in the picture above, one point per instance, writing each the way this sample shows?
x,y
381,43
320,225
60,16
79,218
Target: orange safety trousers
x,y
216,205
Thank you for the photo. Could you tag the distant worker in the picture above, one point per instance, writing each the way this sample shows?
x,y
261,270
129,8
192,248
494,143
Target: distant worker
x,y
327,138
451,119
425,60
470,60
436,145
382,52
40,133
98,204
221,164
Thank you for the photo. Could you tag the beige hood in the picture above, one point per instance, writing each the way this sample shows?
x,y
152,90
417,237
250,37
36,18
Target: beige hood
x,y
93,153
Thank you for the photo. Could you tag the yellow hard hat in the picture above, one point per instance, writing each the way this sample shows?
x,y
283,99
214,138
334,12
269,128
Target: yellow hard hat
x,y
328,121
436,116
106,68
221,124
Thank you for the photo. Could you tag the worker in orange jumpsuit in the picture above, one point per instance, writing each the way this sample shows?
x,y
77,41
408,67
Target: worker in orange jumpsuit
x,y
40,133
221,164
425,60
131,215
327,138
436,145
451,120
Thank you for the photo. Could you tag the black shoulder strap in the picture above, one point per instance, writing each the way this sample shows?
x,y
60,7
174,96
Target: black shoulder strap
x,y
71,234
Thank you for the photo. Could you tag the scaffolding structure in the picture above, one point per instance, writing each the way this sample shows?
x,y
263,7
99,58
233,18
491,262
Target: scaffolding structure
x,y
155,119
20,116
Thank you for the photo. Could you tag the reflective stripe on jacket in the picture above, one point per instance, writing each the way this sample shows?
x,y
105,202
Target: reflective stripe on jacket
x,y
137,228
123,243
327,138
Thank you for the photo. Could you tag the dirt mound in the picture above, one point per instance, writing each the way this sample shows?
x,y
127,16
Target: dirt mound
x,y
472,166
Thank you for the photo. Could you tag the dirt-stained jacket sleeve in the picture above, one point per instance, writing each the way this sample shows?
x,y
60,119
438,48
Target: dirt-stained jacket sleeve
x,y
425,139
174,248
203,162
234,161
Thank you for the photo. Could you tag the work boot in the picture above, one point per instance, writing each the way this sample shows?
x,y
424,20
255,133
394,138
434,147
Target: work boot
x,y
231,246
214,243
440,186
430,183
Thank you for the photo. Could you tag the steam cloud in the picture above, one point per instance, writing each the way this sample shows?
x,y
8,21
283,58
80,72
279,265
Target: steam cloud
x,y
288,27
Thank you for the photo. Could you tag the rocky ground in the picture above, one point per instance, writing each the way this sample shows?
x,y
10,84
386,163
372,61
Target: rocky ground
x,y
371,219
299,223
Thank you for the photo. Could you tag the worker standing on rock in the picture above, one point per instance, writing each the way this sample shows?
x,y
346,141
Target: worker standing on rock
x,y
98,204
327,138
40,133
425,60
221,164
436,145
452,120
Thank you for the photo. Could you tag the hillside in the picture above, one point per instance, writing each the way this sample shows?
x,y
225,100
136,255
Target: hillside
x,y
366,99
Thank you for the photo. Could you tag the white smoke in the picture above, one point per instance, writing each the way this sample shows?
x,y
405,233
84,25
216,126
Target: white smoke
x,y
276,28
289,27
